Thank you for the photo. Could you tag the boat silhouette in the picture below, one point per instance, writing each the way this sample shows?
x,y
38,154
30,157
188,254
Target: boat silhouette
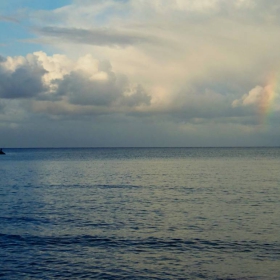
x,y
1,152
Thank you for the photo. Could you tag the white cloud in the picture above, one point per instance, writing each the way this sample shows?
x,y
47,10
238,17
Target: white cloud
x,y
263,98
252,98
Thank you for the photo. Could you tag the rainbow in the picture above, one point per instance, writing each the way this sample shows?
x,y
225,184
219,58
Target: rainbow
x,y
267,99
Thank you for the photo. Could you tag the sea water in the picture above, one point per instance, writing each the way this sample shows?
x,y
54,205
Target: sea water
x,y
140,213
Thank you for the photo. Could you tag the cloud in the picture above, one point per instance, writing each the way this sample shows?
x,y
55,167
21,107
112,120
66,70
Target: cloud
x,y
96,36
81,90
135,96
8,19
252,98
185,67
149,10
260,97
20,78
58,85
2,107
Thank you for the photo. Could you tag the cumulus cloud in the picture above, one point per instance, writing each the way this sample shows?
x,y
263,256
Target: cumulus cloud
x,y
21,77
252,98
69,86
135,96
82,90
258,96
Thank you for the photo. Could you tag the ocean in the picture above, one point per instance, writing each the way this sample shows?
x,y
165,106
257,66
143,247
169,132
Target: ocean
x,y
140,213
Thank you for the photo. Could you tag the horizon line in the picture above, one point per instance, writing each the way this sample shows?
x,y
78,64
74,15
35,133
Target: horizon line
x,y
144,147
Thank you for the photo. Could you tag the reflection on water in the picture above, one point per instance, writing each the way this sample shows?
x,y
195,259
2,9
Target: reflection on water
x,y
140,213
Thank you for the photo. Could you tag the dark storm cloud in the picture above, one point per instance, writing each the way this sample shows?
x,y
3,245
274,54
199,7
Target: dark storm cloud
x,y
97,36
24,82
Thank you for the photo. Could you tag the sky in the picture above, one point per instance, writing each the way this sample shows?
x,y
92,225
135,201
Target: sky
x,y
139,73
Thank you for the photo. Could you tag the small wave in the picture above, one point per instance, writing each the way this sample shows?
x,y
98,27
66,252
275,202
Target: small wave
x,y
265,249
23,219
86,186
119,186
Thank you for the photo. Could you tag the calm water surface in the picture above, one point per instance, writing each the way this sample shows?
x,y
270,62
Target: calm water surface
x,y
148,213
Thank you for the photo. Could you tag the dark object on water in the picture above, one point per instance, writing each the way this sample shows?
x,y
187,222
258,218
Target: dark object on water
x,y
1,152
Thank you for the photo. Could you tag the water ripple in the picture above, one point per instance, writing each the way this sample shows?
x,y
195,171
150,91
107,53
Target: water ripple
x,y
150,243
